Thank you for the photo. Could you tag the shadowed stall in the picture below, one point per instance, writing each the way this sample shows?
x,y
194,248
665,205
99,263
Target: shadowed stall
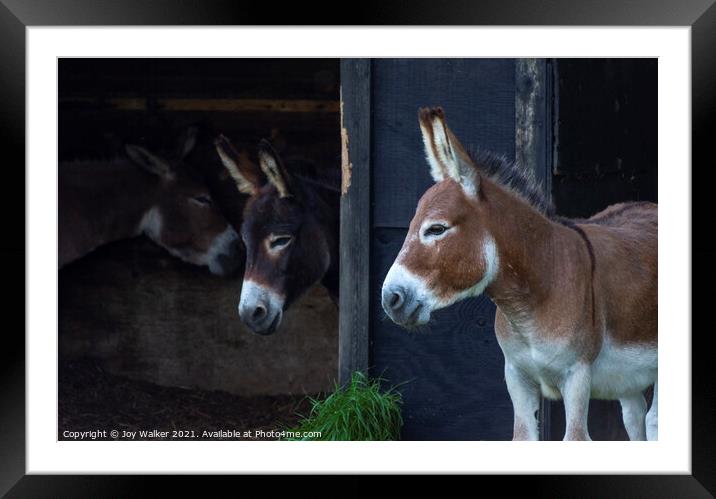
x,y
147,341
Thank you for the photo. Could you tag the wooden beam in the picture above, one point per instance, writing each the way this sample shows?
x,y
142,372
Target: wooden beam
x,y
221,105
533,137
354,316
270,105
532,118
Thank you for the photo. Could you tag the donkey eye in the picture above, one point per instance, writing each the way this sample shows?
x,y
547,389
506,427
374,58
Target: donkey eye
x,y
202,200
280,241
435,230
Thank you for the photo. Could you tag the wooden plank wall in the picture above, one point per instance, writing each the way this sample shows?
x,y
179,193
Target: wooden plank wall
x,y
451,370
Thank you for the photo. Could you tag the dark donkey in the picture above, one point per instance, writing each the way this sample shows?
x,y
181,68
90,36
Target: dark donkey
x,y
105,201
290,229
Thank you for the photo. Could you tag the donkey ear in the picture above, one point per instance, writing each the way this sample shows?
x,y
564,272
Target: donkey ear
x,y
274,169
444,152
246,174
148,161
187,141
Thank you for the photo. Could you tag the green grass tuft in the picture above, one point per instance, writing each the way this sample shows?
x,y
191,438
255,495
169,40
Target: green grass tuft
x,y
357,411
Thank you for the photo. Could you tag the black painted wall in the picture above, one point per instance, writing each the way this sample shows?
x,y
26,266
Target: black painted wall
x,y
606,134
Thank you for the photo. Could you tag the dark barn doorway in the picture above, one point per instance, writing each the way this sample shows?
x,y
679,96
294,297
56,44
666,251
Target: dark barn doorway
x,y
146,340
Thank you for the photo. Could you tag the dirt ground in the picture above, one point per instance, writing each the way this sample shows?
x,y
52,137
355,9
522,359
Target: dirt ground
x,y
147,315
91,399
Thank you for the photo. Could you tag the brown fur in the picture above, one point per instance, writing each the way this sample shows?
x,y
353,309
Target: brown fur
x,y
545,266
457,265
624,237
101,202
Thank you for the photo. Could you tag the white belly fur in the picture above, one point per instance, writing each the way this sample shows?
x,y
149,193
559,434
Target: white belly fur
x,y
621,370
617,371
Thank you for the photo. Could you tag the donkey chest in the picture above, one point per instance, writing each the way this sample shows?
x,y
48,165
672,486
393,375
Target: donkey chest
x,y
542,360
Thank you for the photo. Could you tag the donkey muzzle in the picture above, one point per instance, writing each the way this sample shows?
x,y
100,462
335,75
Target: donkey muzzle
x,y
401,305
260,308
405,298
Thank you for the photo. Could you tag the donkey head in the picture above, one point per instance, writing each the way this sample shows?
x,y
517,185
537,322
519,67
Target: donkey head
x,y
286,249
448,253
183,218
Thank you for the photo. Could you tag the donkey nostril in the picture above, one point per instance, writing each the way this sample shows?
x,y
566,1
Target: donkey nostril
x,y
396,300
258,313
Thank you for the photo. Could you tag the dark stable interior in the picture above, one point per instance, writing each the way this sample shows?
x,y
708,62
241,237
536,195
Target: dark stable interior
x,y
147,341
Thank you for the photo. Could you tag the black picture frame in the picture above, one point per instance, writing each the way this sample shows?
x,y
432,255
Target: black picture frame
x,y
17,15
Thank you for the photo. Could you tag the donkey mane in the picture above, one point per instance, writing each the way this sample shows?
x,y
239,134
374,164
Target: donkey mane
x,y
521,181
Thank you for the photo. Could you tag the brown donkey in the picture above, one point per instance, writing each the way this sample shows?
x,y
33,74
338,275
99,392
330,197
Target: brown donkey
x,y
101,202
576,299
290,228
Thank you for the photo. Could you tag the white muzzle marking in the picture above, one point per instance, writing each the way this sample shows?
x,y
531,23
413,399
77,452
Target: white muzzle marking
x,y
417,290
220,246
255,295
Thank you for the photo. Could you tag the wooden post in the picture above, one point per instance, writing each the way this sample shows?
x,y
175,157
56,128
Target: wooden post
x,y
354,323
532,118
533,148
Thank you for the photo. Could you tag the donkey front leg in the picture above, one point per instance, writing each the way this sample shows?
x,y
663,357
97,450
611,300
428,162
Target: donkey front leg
x,y
576,392
524,393
652,417
633,415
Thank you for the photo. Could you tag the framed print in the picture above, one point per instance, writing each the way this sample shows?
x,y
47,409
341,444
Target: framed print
x,y
434,239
